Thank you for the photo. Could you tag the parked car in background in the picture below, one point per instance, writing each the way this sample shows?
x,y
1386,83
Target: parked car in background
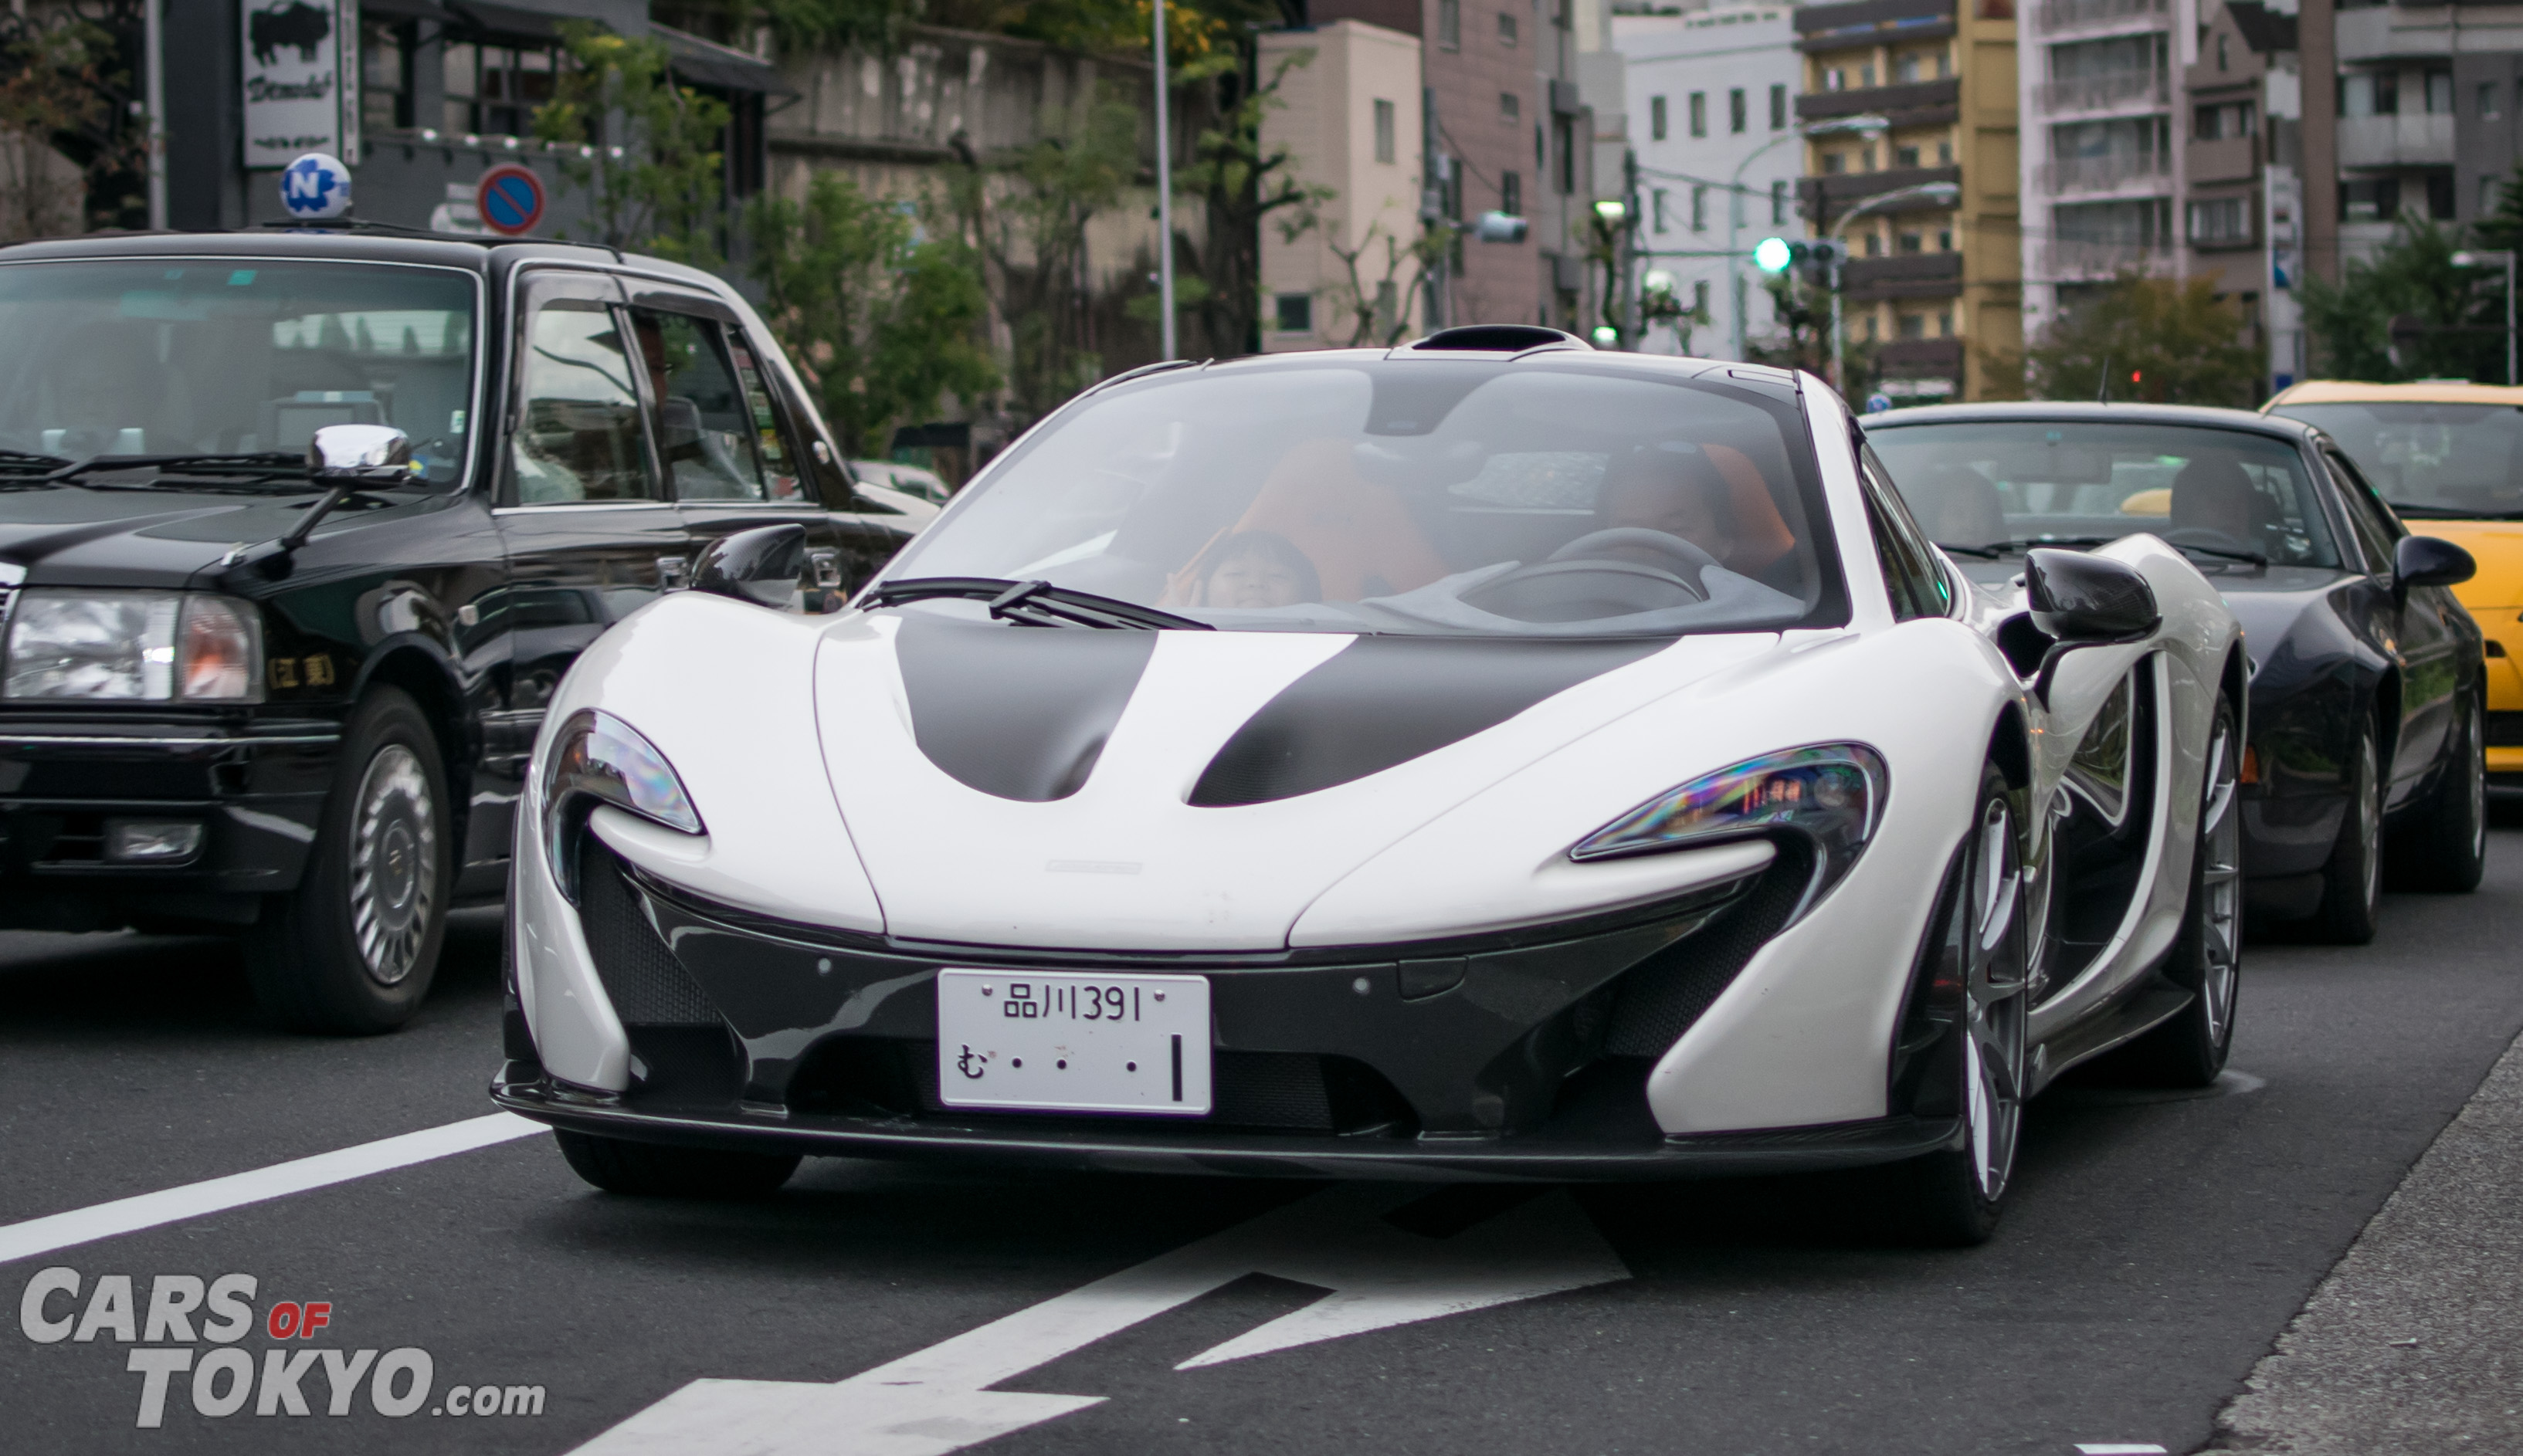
x,y
2368,682
240,695
2449,456
910,479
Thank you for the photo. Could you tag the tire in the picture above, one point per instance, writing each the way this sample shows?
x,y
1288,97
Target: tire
x,y
657,1170
1955,1195
2207,957
2352,882
352,950
2444,850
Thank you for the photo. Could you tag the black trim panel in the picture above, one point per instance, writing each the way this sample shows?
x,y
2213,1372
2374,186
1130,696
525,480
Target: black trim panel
x,y
1016,712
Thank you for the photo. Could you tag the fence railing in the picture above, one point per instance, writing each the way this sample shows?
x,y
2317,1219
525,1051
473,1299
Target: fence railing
x,y
2071,258
2100,173
2069,15
2111,88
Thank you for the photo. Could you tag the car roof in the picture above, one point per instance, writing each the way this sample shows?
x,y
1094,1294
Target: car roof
x,y
2193,415
482,255
2424,392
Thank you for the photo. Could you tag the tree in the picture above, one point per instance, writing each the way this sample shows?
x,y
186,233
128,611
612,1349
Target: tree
x,y
1379,313
1244,186
881,310
1804,338
67,86
648,148
2162,341
2451,320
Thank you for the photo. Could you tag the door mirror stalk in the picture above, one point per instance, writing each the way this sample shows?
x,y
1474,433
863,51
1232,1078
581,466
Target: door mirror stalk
x,y
2084,600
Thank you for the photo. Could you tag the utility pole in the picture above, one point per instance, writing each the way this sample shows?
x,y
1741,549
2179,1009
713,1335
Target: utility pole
x,y
1434,192
1164,199
153,84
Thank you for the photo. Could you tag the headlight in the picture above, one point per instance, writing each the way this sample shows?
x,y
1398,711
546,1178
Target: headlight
x,y
140,646
1827,795
598,759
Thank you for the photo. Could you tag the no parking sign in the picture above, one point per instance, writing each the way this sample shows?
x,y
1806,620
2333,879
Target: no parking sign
x,y
509,198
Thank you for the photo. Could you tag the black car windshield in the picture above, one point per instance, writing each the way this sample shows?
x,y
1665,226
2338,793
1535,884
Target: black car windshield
x,y
1414,496
2008,483
166,357
2433,457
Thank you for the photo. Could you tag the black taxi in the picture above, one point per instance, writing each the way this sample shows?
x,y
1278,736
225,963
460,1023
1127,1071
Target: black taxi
x,y
242,695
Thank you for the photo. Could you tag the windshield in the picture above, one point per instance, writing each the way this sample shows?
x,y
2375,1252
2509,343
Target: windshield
x,y
1412,497
181,356
2006,484
2455,458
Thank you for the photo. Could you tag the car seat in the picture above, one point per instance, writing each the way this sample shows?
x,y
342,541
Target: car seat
x,y
1360,536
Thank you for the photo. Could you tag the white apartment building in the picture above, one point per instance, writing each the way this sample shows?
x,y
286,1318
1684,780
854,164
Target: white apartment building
x,y
1711,103
2101,162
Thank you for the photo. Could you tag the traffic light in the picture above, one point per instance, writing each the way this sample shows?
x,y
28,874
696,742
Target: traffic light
x,y
1817,260
1773,255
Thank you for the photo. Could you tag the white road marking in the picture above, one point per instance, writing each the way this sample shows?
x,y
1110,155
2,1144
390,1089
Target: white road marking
x,y
2115,1448
39,1235
938,1400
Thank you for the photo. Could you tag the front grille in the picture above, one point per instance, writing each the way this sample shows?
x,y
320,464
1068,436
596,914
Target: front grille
x,y
646,984
2505,730
1659,999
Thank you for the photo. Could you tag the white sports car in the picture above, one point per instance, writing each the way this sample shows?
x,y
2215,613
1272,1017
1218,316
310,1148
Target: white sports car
x,y
1487,758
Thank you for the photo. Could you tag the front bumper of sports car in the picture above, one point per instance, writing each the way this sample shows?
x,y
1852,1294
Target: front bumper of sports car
x,y
1518,1056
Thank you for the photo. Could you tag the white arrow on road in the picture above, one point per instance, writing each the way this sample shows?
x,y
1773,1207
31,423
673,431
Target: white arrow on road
x,y
938,1400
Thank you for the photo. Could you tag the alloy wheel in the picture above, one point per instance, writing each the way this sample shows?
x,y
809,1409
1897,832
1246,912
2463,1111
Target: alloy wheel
x,y
2474,773
394,853
1994,987
2221,886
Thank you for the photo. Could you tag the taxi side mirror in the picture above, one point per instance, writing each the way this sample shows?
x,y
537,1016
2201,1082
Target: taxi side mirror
x,y
761,566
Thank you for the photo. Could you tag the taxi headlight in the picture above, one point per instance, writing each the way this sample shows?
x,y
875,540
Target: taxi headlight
x,y
139,646
598,759
1830,795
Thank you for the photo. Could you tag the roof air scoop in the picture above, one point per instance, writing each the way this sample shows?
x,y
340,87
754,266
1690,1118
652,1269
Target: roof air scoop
x,y
1496,338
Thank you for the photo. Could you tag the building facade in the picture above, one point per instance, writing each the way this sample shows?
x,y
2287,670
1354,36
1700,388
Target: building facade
x,y
1911,158
1352,126
1711,118
2100,163
2242,205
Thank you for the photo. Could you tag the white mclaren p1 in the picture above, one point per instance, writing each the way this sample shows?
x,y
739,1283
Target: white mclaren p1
x,y
1485,758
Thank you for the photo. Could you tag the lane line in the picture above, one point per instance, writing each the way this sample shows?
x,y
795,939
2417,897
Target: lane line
x,y
40,1236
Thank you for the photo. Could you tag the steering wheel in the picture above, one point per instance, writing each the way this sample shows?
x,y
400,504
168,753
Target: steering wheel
x,y
1687,560
1616,577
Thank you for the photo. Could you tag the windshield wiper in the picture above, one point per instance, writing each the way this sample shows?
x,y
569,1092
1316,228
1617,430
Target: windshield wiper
x,y
25,462
1032,603
1992,550
254,465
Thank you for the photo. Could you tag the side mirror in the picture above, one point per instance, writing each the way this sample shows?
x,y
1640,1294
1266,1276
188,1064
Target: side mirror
x,y
355,451
2082,601
760,566
2430,561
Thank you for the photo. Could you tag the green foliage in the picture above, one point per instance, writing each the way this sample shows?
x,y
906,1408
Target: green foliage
x,y
1804,321
1245,186
68,87
649,148
866,24
2184,344
881,310
2460,313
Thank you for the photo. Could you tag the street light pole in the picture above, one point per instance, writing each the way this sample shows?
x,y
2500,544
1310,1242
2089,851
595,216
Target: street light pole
x,y
1944,191
1863,125
1165,199
2468,259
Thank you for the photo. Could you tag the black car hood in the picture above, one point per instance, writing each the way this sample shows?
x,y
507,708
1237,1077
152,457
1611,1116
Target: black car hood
x,y
149,537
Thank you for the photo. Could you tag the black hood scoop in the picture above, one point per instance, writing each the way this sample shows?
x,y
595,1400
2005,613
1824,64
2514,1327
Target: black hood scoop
x,y
1383,701
1016,712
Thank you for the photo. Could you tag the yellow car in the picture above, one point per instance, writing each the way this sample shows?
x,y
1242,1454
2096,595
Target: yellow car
x,y
2449,455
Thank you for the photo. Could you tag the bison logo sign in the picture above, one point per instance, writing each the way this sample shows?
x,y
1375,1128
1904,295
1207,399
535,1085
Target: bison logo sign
x,y
301,80
296,26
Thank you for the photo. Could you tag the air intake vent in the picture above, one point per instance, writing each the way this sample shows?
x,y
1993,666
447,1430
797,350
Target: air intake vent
x,y
646,984
1497,338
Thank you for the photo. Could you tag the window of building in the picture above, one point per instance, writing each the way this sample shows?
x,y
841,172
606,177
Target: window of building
x,y
1944,66
1835,78
2369,199
1296,312
1913,326
2439,93
1777,107
1945,240
1699,113
1507,28
2222,220
1906,69
1944,154
2369,93
1874,244
385,76
1384,128
2440,206
1699,299
2225,121
1834,163
2222,57
1657,201
1778,202
1905,156
1866,159
493,90
1510,105
1945,324
1450,24
1512,194
1739,111
1865,74
1699,209
1912,243
1656,118
1870,328
2487,111
2488,195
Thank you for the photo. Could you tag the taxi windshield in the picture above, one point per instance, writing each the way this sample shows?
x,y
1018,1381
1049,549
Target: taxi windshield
x,y
1995,486
169,357
1429,496
2431,459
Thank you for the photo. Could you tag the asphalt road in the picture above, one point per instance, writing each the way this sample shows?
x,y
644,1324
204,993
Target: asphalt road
x,y
2155,1249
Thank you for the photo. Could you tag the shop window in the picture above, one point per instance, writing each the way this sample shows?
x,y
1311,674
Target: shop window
x,y
493,90
385,76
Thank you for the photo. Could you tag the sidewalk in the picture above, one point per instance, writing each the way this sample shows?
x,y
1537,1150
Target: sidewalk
x,y
2413,1345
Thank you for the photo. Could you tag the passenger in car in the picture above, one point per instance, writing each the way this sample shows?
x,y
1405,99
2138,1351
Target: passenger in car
x,y
1255,569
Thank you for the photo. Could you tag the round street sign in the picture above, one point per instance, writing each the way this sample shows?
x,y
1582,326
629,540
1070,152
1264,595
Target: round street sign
x,y
510,199
316,186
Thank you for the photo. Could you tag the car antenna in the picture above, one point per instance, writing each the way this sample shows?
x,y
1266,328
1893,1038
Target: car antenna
x,y
2103,391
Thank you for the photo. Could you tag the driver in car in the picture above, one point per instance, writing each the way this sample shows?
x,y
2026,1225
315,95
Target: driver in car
x,y
1677,494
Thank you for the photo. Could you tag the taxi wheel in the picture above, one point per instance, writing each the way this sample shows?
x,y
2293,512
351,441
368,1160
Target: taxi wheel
x,y
2445,848
350,950
657,1170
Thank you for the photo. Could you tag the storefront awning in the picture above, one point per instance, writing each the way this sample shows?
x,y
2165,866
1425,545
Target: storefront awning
x,y
706,62
410,10
505,19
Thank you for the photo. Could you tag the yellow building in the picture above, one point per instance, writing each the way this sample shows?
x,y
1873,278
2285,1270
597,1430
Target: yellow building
x,y
1909,112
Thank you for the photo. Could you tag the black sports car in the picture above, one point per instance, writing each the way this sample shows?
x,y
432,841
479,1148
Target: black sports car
x,y
2366,696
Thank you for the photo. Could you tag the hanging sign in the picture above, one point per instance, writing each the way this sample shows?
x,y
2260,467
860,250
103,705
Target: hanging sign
x,y
510,199
302,79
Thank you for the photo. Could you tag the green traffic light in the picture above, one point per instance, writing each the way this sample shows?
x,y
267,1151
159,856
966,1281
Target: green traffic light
x,y
1773,255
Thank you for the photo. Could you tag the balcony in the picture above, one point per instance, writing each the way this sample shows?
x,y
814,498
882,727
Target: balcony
x,y
1872,23
1919,359
1826,198
2421,140
2094,93
1916,104
2069,259
2233,158
1908,275
2109,172
2058,16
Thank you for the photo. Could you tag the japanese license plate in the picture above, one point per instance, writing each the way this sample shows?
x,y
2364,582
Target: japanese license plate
x,y
1057,1040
